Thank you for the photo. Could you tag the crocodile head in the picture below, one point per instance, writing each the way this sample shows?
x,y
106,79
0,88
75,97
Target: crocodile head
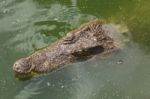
x,y
90,39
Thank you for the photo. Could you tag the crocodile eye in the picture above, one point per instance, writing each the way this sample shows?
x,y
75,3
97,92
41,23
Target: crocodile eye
x,y
69,39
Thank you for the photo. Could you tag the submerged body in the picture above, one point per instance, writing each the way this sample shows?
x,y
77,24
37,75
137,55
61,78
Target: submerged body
x,y
91,39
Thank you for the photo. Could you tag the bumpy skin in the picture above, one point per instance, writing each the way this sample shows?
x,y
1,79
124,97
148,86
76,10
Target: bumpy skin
x,y
81,44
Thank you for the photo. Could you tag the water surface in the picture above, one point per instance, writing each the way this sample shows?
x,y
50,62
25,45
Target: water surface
x,y
27,25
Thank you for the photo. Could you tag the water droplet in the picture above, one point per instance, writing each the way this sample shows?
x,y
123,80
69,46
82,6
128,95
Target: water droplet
x,y
120,62
48,84
62,86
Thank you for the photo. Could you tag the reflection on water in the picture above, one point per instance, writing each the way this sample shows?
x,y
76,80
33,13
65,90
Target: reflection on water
x,y
138,22
27,25
104,79
105,8
28,91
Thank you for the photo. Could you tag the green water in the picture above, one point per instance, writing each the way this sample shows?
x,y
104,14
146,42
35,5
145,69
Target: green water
x,y
27,25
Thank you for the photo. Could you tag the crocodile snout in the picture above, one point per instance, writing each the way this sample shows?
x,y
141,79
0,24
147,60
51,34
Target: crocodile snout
x,y
22,66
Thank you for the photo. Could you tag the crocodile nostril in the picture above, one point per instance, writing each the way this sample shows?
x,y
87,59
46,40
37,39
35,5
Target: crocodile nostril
x,y
16,67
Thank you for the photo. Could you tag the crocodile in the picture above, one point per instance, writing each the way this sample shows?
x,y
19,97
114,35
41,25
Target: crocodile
x,y
91,39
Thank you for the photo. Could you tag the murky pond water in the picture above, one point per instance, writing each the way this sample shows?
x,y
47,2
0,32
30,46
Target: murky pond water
x,y
27,25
